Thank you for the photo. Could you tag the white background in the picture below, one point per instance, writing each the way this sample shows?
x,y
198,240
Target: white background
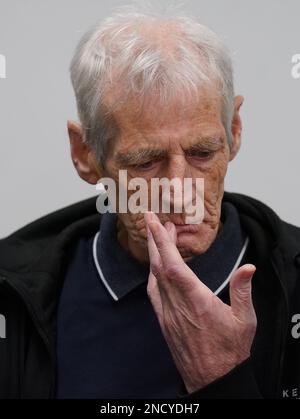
x,y
36,99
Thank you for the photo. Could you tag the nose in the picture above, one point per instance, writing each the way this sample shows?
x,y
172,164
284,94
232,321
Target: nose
x,y
177,167
177,170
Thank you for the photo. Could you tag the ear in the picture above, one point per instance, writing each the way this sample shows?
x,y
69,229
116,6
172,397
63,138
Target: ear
x,y
82,156
236,127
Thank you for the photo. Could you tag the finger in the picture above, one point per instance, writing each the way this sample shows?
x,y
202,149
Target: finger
x,y
166,247
155,298
174,268
240,292
160,288
156,267
154,256
171,229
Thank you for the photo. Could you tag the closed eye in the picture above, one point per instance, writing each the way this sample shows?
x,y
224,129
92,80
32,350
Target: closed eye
x,y
147,165
200,154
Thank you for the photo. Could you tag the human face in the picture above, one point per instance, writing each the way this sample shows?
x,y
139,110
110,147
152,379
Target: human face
x,y
181,143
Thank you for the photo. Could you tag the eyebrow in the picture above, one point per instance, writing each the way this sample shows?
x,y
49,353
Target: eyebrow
x,y
142,155
206,143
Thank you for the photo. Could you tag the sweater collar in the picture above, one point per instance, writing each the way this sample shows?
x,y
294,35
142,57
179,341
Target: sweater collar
x,y
120,272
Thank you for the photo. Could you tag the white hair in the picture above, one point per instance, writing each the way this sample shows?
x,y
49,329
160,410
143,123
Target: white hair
x,y
144,54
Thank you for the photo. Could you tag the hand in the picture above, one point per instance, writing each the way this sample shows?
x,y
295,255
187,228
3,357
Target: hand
x,y
206,337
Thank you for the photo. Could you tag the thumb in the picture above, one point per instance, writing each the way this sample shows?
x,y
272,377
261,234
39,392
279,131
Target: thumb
x,y
240,292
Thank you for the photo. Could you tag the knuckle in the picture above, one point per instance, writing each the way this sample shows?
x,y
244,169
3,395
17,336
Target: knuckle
x,y
172,271
244,294
155,269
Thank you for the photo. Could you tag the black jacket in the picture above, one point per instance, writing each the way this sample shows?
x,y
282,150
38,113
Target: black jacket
x,y
33,262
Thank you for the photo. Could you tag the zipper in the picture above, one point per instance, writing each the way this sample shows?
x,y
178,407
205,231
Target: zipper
x,y
34,317
285,325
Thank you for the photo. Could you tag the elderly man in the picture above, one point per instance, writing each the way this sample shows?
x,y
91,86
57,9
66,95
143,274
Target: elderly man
x,y
143,304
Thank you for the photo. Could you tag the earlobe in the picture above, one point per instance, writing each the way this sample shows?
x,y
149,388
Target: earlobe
x,y
236,127
81,154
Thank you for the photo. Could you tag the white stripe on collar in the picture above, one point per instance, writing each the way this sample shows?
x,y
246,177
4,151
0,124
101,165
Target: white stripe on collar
x,y
236,265
115,297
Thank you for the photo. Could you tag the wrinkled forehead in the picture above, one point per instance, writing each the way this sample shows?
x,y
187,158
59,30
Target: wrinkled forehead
x,y
152,116
175,123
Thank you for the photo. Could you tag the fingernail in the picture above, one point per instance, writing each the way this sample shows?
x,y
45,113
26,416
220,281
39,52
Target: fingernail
x,y
153,227
155,218
148,215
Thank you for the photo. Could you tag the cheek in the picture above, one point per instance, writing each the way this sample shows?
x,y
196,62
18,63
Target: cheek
x,y
214,186
135,225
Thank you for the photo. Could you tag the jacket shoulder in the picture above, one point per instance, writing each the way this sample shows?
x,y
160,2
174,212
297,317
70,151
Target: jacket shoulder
x,y
23,246
292,233
52,223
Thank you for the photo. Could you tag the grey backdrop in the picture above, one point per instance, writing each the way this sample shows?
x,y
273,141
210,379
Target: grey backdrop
x,y
38,38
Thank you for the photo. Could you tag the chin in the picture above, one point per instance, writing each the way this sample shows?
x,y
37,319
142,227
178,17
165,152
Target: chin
x,y
192,244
